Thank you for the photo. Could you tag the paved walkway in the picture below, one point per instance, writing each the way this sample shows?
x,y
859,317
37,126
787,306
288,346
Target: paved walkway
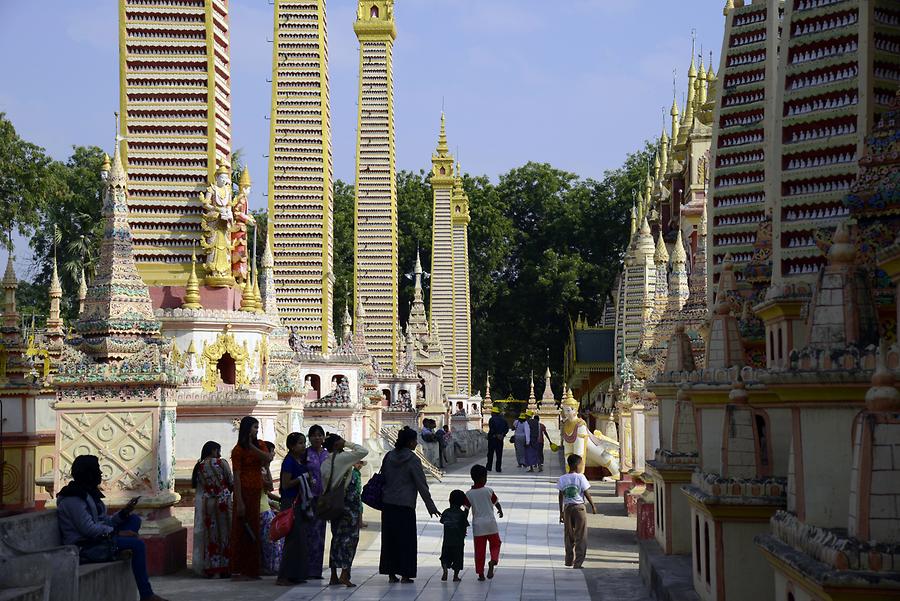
x,y
531,560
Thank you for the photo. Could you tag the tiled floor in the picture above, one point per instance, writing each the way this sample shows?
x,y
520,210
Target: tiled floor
x,y
531,561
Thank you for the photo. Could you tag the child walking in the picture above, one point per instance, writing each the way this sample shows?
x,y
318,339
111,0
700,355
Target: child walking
x,y
573,491
482,500
456,521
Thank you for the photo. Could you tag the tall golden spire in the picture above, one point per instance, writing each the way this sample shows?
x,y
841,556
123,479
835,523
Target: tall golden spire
x,y
664,152
248,299
192,290
701,85
674,115
633,221
257,294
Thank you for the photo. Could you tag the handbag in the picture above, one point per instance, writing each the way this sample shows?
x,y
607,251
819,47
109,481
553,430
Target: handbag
x,y
330,506
99,550
282,524
373,491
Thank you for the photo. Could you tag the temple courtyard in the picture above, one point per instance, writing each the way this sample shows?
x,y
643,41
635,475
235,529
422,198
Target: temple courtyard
x,y
531,560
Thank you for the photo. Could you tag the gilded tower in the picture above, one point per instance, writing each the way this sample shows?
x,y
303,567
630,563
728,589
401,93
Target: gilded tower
x,y
301,209
175,101
375,219
838,72
743,194
450,268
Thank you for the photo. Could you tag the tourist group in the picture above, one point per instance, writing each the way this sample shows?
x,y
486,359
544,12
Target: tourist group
x,y
243,529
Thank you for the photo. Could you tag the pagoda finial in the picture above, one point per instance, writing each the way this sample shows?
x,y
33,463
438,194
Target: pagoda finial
x,y
10,283
442,148
662,254
532,399
645,227
82,291
692,70
347,329
117,175
54,322
192,290
678,253
270,304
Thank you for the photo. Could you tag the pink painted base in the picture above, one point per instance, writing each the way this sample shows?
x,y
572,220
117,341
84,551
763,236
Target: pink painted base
x,y
172,297
166,554
646,520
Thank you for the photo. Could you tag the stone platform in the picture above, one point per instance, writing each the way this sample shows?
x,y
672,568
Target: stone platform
x,y
668,577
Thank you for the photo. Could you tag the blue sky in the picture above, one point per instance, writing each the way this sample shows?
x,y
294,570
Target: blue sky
x,y
576,83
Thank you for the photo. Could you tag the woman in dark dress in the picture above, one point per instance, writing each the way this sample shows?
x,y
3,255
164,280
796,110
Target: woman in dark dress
x,y
296,493
404,480
315,531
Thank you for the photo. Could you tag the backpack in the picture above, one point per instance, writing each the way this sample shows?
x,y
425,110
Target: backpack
x,y
330,506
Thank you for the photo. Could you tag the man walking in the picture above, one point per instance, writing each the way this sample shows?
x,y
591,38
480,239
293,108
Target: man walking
x,y
497,431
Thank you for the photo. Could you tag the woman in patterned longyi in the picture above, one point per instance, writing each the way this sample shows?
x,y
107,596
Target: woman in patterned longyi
x,y
213,482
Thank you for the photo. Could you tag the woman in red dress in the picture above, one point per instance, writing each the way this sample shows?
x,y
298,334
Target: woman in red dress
x,y
247,459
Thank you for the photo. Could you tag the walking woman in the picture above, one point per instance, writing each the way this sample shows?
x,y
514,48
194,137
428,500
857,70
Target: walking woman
x,y
404,478
338,471
535,442
296,493
248,458
521,438
315,532
213,482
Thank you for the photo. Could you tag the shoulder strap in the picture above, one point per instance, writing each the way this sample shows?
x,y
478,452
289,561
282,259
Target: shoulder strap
x,y
331,472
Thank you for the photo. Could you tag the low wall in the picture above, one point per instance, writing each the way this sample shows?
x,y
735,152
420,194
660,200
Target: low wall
x,y
463,443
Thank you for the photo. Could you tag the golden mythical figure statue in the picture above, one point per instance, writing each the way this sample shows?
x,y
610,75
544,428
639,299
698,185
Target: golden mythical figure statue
x,y
595,449
217,224
242,217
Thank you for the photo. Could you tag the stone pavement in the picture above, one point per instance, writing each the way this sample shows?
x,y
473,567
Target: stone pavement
x,y
531,560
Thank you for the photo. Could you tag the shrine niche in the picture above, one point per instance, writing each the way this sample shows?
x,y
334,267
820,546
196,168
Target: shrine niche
x,y
224,361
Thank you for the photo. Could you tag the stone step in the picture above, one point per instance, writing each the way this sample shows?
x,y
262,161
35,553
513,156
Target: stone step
x,y
24,593
668,577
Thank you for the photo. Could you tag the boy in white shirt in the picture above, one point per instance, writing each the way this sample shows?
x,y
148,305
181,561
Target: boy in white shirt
x,y
573,491
482,500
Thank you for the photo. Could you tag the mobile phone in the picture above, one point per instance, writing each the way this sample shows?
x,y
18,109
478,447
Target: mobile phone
x,y
134,501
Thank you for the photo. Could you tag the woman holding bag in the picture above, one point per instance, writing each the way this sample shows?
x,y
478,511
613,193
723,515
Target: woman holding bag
x,y
296,496
338,471
404,479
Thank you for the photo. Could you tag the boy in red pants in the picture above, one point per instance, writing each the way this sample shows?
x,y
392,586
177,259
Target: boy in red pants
x,y
482,500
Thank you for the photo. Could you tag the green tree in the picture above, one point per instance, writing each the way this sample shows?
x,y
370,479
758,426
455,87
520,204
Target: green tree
x,y
261,217
414,199
343,251
26,182
71,225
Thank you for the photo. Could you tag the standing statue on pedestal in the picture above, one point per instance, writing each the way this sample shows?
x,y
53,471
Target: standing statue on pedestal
x,y
595,449
217,224
242,217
